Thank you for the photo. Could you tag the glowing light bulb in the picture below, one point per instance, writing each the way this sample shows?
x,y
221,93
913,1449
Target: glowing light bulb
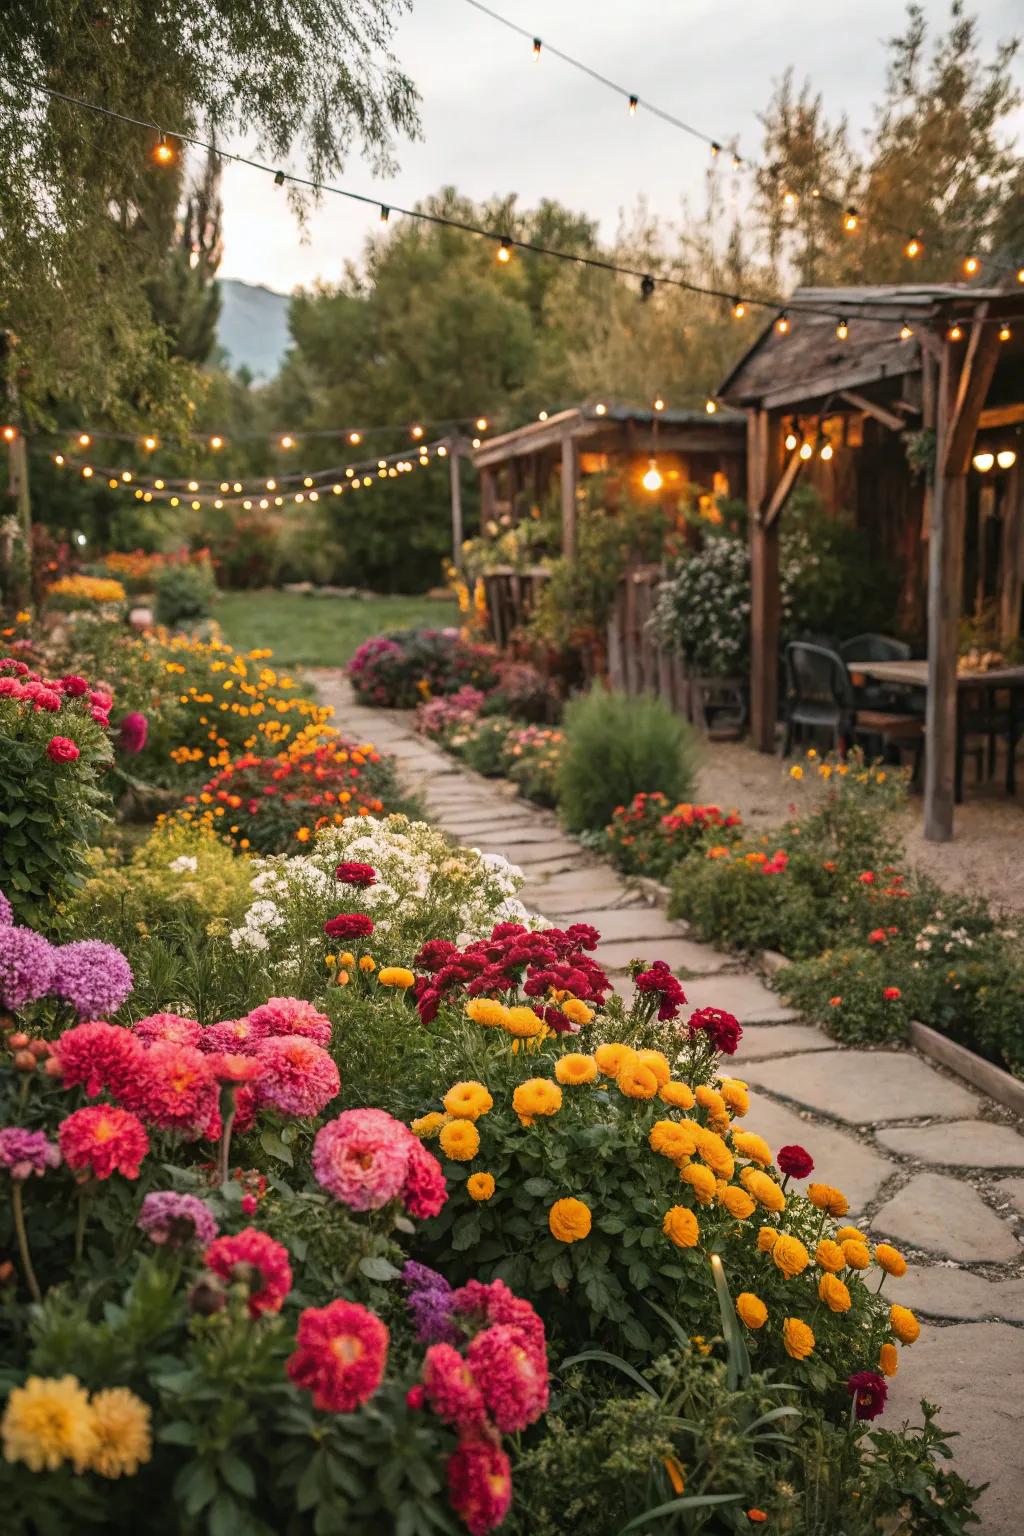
x,y
337,489
158,485
827,451
163,151
652,479
58,458
264,503
482,423
913,247
842,330
476,444
442,453
147,495
216,441
271,485
367,480
789,199
905,332
138,495
314,496
218,504
984,462
417,431
782,325
971,265
954,333
791,441
237,486
805,451
87,472
175,501
536,50
355,437
851,219
287,441
112,482
542,416
710,406
84,439
307,480
600,409
504,251
149,443
634,102
10,433
1006,458
385,213
739,309
659,404
298,498
1005,333
1020,274
193,485
196,505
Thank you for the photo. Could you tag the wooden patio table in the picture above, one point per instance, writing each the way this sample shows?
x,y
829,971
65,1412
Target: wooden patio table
x,y
914,674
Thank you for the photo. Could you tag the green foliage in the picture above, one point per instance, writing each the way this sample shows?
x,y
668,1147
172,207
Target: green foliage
x,y
650,834
184,595
616,746
845,990
315,631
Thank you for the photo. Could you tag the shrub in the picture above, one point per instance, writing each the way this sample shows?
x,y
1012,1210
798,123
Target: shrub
x,y
534,762
483,744
437,717
184,595
616,746
650,835
403,669
523,692
853,993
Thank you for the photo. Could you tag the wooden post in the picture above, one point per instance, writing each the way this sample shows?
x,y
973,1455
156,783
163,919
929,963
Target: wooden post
x,y
1012,556
455,450
765,604
486,497
570,479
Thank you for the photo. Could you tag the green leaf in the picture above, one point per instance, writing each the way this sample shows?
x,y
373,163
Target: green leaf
x,y
694,1501
378,1268
196,1486
616,1361
537,1187
238,1475
273,1146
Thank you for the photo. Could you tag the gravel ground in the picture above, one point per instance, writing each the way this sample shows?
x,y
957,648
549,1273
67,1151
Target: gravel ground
x,y
986,856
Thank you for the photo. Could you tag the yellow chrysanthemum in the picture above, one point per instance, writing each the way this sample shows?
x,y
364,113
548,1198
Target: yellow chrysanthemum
x,y
672,1139
857,1255
395,976
713,1150
484,1010
537,1096
480,1186
574,1068
830,1256
611,1058
655,1062
767,1237
468,1100
891,1260
121,1422
569,1220
522,1022
701,1180
577,1011
834,1293
48,1421
797,1338
763,1188
460,1140
680,1226
849,1234
888,1360
637,1081
790,1255
711,1100
735,1095
904,1324
679,1095
367,963
751,1146
736,1201
751,1310
428,1125
827,1198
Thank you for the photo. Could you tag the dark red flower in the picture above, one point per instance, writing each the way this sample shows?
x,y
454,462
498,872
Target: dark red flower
x,y
794,1162
870,1391
349,925
721,1028
356,874
74,685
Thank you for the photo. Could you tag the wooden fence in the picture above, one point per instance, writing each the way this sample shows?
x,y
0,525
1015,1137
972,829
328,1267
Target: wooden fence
x,y
511,598
636,662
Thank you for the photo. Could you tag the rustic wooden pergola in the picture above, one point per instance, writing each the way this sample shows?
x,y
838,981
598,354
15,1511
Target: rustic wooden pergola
x,y
942,360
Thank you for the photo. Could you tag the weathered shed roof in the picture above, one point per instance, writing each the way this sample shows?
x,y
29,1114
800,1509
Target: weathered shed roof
x,y
696,430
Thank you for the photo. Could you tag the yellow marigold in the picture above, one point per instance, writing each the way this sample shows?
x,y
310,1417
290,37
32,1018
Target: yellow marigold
x,y
767,1237
460,1140
904,1324
764,1189
655,1062
537,1096
680,1226
834,1293
484,1010
751,1310
672,1139
348,958
569,1220
637,1081
701,1180
713,1150
798,1338
522,1022
679,1095
747,1144
736,1201
888,1360
891,1260
611,1058
121,1423
367,963
468,1101
48,1421
395,976
851,1234
577,1011
735,1095
575,1069
857,1255
711,1100
790,1255
830,1256
480,1186
428,1125
827,1198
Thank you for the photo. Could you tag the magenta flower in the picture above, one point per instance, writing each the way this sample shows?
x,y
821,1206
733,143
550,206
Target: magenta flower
x,y
95,978
26,966
869,1392
6,912
362,1158
24,1153
134,729
176,1220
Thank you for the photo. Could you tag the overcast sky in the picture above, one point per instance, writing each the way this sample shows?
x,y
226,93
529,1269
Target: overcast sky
x,y
495,122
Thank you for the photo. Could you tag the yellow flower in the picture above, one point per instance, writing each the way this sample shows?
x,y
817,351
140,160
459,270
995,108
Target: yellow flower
x,y
764,1189
611,1058
798,1338
123,1441
637,1081
711,1100
767,1237
48,1421
751,1310
790,1255
891,1260
736,1096
888,1360
330,959
796,772
577,1011
834,1293
827,1198
573,1068
367,963
679,1095
537,1096
468,1100
680,1226
673,1139
480,1186
569,1220
851,1234
676,1474
460,1140
348,958
655,1062
713,1150
428,1125
830,1256
522,1022
484,1010
857,1255
303,835
736,1201
904,1324
701,1180
751,1146
395,976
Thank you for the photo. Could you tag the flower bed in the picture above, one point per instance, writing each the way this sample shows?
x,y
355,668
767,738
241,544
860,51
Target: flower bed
x,y
650,835
400,670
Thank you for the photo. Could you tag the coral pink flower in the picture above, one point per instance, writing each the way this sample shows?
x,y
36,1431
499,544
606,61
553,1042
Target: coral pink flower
x,y
233,1067
495,1303
514,1384
252,1250
61,749
340,1356
299,1078
102,1140
176,1089
480,1485
134,729
291,1016
452,1390
97,1056
891,994
425,1190
232,1035
168,1026
362,1158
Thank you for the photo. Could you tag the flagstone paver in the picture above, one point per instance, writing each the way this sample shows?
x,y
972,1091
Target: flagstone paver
x,y
878,1123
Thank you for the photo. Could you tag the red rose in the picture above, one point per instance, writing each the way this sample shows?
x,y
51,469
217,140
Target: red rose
x,y
891,994
867,878
349,925
356,874
795,1162
61,749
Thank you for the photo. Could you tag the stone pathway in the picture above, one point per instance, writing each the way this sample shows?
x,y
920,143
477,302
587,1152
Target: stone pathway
x,y
926,1161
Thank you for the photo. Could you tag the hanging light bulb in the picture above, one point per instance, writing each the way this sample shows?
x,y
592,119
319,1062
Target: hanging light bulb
x,y
782,324
216,441
842,330
1006,458
482,423
385,213
147,495
163,151
442,453
350,472
298,498
58,458
791,441
827,451
314,495
913,247
1004,332
355,437
307,480
659,404
149,443
1020,274
112,482
600,408
716,149
737,161
634,102
279,178
193,485
237,486
955,333
218,503
337,489
175,502
652,479
476,444
367,480
126,476
789,199
504,250
87,472
287,441
542,416
971,264
10,433
536,50
851,219
739,309
84,439
197,504
159,485
710,407
271,485
647,286
417,431
905,332
984,462
805,451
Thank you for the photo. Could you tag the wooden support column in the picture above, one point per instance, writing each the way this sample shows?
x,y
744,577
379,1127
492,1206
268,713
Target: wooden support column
x,y
765,602
487,497
570,481
1012,556
456,448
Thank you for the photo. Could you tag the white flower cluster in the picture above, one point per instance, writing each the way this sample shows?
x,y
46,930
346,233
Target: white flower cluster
x,y
260,920
184,864
947,942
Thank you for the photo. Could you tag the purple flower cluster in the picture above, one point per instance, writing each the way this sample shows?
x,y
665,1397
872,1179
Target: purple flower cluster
x,y
6,912
95,978
176,1220
23,1153
431,1302
26,966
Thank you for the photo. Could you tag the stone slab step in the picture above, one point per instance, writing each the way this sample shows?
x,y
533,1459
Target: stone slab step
x,y
865,1087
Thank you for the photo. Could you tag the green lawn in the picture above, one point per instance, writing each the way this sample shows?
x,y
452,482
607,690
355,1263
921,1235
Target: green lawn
x,y
320,631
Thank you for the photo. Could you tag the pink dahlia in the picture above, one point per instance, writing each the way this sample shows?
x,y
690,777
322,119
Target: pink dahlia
x,y
254,1257
176,1089
513,1382
176,1221
452,1390
349,925
425,1190
362,1158
102,1140
299,1078
291,1016
356,874
495,1303
480,1485
24,1153
340,1356
168,1026
74,685
232,1035
97,1056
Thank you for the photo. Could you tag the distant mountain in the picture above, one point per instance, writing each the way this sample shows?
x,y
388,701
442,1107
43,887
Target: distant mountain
x,y
253,327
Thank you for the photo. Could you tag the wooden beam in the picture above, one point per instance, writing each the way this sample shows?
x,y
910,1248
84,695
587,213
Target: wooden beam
x,y
763,437
945,592
1011,579
973,385
487,497
570,481
781,493
1001,416
870,408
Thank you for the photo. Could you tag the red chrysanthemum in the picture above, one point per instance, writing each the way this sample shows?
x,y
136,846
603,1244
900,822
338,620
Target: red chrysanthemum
x,y
61,749
452,1390
349,925
513,1382
97,1056
495,1303
176,1089
168,1026
870,1392
425,1190
722,1029
795,1162
299,1077
253,1256
291,1016
356,874
480,1485
340,1355
102,1139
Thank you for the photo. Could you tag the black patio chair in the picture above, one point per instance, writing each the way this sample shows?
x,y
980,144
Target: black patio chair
x,y
870,695
819,695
